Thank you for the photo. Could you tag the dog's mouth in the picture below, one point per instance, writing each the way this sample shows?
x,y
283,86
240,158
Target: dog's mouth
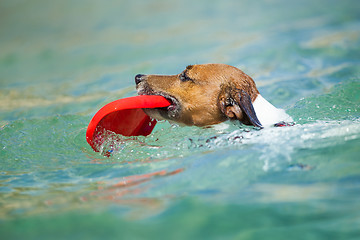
x,y
170,112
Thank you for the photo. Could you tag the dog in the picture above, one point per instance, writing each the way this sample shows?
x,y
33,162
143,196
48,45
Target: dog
x,y
208,94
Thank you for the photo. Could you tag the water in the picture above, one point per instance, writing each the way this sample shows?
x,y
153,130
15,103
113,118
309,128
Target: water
x,y
61,61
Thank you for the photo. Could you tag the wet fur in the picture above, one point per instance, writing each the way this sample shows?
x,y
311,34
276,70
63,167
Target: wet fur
x,y
203,95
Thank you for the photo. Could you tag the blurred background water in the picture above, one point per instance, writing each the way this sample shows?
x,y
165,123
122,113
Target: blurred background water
x,y
60,61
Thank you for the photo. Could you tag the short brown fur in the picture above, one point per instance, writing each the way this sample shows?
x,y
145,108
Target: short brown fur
x,y
202,94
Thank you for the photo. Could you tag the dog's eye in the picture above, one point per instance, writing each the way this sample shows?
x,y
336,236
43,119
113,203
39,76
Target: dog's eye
x,y
184,78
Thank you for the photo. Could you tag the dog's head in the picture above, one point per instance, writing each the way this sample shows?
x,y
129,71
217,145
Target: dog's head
x,y
202,95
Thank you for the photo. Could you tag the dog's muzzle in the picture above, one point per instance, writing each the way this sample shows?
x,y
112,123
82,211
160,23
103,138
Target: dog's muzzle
x,y
139,78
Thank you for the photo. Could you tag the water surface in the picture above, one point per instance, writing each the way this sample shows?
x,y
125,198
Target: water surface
x,y
61,61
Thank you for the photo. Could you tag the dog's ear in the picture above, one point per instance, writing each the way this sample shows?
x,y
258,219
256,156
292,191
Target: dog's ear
x,y
236,104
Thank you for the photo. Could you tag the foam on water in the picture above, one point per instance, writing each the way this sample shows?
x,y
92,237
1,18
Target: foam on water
x,y
276,143
60,61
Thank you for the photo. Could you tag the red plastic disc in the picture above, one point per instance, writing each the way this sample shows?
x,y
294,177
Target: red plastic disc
x,y
124,116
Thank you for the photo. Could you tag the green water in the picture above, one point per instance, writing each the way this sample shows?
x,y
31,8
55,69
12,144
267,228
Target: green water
x,y
60,61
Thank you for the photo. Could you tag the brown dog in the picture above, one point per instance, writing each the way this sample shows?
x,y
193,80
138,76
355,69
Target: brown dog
x,y
208,94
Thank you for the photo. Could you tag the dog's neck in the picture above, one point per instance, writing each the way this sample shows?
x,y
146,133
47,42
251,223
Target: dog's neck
x,y
268,114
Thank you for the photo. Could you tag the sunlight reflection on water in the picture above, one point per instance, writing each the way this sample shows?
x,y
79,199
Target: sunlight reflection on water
x,y
61,61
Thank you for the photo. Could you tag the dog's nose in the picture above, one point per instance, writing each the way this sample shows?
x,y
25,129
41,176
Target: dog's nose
x,y
139,78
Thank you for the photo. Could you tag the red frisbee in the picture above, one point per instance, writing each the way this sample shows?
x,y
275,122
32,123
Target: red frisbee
x,y
124,116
